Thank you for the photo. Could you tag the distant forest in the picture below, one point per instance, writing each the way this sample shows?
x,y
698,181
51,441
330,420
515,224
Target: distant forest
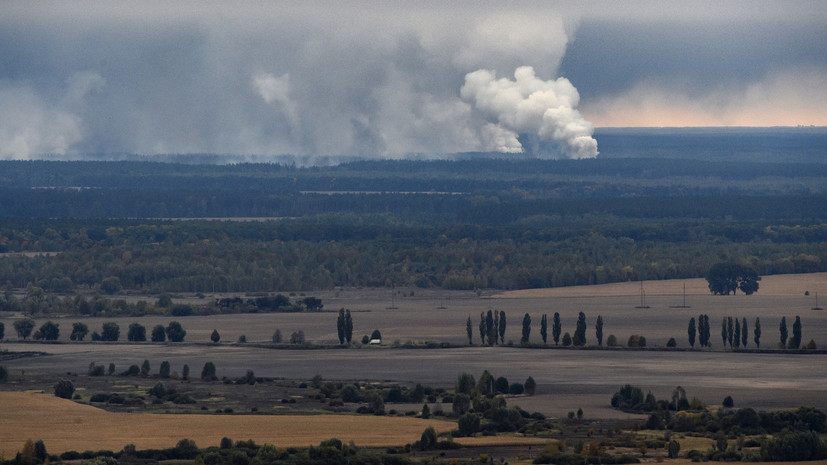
x,y
472,222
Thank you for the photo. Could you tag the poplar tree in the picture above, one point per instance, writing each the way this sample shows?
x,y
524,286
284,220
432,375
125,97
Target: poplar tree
x,y
598,330
782,329
737,335
757,332
556,328
469,330
744,333
544,328
502,327
348,326
579,338
795,342
526,329
691,332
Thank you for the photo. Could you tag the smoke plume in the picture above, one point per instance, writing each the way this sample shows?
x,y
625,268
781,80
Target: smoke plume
x,y
539,111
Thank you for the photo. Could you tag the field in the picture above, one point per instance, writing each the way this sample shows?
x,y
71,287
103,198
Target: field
x,y
567,379
65,425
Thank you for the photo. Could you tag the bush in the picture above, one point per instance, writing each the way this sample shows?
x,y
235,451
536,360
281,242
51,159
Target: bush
x,y
96,370
515,389
672,342
611,341
469,424
728,402
64,389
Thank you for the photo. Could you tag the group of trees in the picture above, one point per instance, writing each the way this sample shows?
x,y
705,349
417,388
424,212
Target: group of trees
x,y
727,277
492,327
110,331
344,326
735,333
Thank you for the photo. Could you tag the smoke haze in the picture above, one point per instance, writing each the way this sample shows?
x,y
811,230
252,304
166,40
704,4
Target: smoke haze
x,y
370,79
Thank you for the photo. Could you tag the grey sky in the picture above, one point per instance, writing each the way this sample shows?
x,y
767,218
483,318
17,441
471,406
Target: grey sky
x,y
384,78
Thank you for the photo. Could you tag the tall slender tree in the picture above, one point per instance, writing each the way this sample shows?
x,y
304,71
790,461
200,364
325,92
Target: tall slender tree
x,y
496,326
483,331
526,329
544,328
795,342
691,332
469,330
490,332
502,327
737,336
348,326
757,332
723,331
579,338
598,330
556,328
744,333
340,326
782,329
730,330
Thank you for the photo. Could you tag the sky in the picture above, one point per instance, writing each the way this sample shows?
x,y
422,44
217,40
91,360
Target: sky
x,y
393,78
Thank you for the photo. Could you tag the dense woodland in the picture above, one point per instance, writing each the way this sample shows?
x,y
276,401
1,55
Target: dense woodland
x,y
472,222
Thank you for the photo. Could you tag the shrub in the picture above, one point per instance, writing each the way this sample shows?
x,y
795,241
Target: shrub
x,y
96,370
728,402
611,341
530,386
672,342
469,424
159,390
811,345
64,389
566,340
515,389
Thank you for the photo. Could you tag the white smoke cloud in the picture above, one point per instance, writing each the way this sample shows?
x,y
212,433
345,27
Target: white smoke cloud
x,y
528,104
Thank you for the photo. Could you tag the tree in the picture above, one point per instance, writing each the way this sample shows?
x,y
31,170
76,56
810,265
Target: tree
x,y
208,372
159,334
757,332
297,337
482,328
795,341
737,335
175,332
782,329
340,326
530,386
468,424
79,331
24,327
461,404
744,334
726,277
110,332
501,385
185,372
215,337
502,327
556,328
64,389
526,329
465,383
159,390
674,449
566,339
691,332
730,330
110,285
145,369
164,301
4,375
579,338
544,328
2,330
49,331
348,326
469,330
164,372
490,330
136,333
598,330
40,451
723,331
277,336
428,440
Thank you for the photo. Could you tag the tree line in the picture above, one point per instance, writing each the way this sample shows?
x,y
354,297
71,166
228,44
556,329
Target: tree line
x,y
492,326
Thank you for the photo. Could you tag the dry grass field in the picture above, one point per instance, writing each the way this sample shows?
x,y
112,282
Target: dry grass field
x,y
65,425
